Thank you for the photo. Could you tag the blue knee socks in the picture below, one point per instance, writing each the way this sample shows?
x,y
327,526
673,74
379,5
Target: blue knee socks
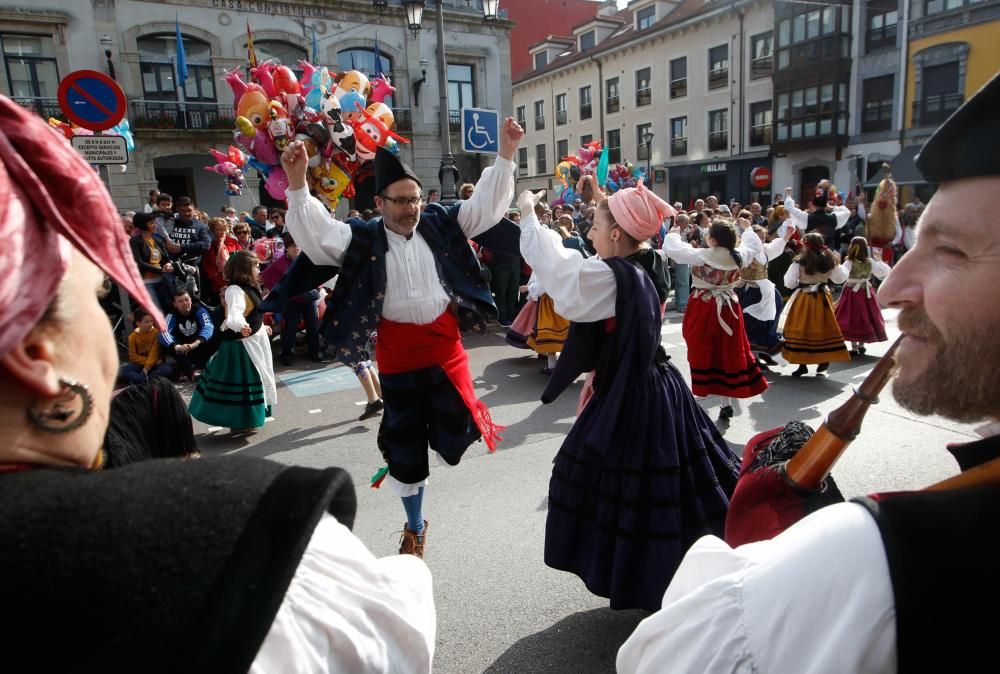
x,y
414,516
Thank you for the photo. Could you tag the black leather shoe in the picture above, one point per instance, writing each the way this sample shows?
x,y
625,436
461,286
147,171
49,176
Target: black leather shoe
x,y
822,367
319,359
766,358
371,409
801,371
726,412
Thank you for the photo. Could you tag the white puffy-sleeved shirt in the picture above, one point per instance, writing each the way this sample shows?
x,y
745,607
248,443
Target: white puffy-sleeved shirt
x,y
347,611
678,250
816,599
413,289
791,280
800,218
879,268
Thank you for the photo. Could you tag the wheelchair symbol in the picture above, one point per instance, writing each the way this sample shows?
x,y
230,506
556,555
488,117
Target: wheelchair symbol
x,y
479,132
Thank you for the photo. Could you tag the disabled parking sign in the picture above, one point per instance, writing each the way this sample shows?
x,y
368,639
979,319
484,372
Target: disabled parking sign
x,y
480,130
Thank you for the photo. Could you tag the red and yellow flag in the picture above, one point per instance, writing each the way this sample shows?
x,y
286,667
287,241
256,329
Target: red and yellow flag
x,y
251,54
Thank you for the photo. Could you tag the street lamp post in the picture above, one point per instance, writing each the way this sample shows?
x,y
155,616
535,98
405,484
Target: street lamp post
x,y
448,174
647,139
106,42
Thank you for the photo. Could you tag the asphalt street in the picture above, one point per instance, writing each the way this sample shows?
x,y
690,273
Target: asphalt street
x,y
499,608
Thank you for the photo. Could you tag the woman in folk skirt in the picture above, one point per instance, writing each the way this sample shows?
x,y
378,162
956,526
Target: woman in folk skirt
x,y
760,299
858,313
643,473
237,387
810,328
718,351
550,328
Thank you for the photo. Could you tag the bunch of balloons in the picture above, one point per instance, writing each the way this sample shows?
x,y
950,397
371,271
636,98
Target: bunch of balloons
x,y
592,159
341,118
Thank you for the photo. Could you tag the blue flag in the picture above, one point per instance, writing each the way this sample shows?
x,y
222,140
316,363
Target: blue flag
x,y
378,58
182,68
315,48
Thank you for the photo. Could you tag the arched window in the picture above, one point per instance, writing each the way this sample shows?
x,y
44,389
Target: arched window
x,y
284,53
157,62
363,59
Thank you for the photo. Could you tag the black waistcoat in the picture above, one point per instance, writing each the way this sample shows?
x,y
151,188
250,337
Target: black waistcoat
x,y
823,223
942,550
160,566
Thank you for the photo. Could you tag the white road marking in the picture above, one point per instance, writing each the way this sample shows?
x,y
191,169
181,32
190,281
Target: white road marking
x,y
315,411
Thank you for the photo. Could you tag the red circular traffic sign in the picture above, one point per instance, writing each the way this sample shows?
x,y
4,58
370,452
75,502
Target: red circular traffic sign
x,y
91,100
760,177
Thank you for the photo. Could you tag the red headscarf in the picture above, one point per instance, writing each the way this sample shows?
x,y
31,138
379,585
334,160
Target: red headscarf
x,y
638,211
51,200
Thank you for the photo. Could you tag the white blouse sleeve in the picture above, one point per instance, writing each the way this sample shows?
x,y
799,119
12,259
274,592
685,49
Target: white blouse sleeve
x,y
236,304
846,267
535,287
750,246
773,249
320,235
583,289
839,274
348,611
880,269
862,213
490,200
816,598
842,213
791,279
682,252
796,215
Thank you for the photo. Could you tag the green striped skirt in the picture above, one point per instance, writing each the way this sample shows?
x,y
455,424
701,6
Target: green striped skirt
x,y
229,392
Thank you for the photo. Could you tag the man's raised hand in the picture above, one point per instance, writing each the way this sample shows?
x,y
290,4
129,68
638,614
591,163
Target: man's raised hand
x,y
527,201
295,161
511,134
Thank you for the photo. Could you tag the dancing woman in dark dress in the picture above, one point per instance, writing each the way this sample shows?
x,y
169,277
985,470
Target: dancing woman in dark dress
x,y
643,473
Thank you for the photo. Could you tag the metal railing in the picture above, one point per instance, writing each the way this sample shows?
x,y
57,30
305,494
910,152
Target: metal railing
x,y
679,88
718,140
43,107
614,104
561,117
454,120
586,111
760,135
147,114
678,147
718,78
643,97
761,67
539,122
933,110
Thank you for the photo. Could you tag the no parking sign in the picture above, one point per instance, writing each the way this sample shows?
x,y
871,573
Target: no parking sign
x,y
91,100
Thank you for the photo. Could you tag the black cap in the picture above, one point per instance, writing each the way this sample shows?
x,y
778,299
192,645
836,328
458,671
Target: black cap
x,y
389,169
967,145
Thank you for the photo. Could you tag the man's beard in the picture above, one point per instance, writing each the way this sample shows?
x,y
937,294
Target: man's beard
x,y
961,381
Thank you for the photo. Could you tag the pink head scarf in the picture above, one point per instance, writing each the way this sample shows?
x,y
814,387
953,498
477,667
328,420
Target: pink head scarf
x,y
51,201
638,211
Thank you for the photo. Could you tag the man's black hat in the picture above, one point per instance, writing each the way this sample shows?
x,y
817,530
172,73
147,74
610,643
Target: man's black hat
x,y
389,169
967,145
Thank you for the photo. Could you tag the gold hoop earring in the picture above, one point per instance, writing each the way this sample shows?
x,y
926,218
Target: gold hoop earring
x,y
66,414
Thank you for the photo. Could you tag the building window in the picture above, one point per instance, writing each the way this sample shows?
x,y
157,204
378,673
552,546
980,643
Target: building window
x,y
761,56
588,40
156,63
30,64
718,66
522,161
642,152
539,115
811,111
718,130
541,60
614,146
760,123
882,21
643,94
561,116
586,110
613,100
876,102
562,149
520,117
938,6
540,159
817,35
358,58
586,139
678,136
679,77
645,17
940,94
461,93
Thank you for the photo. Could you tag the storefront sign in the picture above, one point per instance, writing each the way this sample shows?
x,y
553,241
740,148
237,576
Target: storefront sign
x,y
713,168
760,177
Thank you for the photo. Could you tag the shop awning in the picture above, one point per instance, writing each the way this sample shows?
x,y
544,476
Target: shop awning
x,y
904,169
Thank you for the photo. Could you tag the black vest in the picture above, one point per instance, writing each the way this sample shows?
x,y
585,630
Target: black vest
x,y
823,223
254,319
161,566
942,550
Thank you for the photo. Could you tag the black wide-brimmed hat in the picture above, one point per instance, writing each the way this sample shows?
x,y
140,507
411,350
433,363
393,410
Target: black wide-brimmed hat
x,y
389,169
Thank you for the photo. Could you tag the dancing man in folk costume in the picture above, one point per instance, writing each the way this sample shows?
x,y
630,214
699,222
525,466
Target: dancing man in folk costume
x,y
643,472
893,582
414,277
718,351
823,217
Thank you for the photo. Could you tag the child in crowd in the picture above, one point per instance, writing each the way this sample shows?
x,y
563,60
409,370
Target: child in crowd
x,y
144,358
858,313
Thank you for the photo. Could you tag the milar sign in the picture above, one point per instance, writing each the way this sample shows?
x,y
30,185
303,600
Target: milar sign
x,y
713,168
101,149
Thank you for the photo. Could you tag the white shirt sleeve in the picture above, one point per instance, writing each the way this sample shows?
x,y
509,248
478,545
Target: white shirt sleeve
x,y
682,252
862,213
490,200
796,215
816,599
773,249
583,289
838,275
236,304
791,278
535,287
320,236
750,246
879,269
842,213
846,267
347,611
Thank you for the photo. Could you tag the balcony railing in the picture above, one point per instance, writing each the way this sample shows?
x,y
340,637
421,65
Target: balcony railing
x,y
454,120
43,107
642,151
679,88
678,147
761,67
877,116
933,110
614,155
561,117
586,111
614,104
883,37
175,115
539,122
718,78
521,123
760,135
718,140
643,97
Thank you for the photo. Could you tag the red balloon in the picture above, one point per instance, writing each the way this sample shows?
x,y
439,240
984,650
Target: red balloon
x,y
285,81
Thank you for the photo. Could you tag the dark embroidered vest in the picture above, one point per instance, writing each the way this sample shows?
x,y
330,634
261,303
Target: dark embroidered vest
x,y
861,270
355,305
253,314
822,222
942,550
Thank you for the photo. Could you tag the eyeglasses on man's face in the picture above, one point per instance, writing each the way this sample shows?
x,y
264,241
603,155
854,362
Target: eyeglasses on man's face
x,y
405,201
